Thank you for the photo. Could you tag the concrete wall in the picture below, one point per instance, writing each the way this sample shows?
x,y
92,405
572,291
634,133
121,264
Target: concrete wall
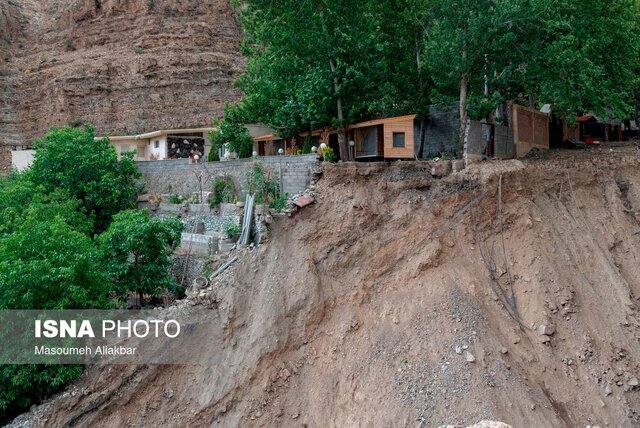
x,y
5,159
475,143
503,142
443,127
22,159
180,177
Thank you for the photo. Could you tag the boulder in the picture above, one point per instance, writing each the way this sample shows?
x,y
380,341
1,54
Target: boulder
x,y
547,329
441,168
303,201
457,165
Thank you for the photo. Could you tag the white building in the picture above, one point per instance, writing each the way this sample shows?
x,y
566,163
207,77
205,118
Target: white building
x,y
164,144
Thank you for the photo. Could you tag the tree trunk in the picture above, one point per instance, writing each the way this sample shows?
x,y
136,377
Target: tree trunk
x,y
464,94
464,83
423,131
423,120
141,296
342,129
637,105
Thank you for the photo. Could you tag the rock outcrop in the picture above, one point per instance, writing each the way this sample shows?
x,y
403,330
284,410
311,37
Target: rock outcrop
x,y
125,66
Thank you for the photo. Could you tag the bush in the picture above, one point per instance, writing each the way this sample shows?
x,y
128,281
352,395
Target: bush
x,y
88,169
214,155
278,204
136,252
328,155
174,198
262,182
27,384
224,190
232,231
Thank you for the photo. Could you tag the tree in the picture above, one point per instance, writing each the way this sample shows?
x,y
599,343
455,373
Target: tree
x,y
456,46
582,59
136,252
577,56
23,203
231,133
45,264
404,29
88,169
314,63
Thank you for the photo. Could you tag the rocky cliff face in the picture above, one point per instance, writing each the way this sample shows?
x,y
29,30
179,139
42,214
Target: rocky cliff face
x,y
125,66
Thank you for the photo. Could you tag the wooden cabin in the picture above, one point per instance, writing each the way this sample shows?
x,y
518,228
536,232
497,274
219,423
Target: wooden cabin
x,y
593,130
390,138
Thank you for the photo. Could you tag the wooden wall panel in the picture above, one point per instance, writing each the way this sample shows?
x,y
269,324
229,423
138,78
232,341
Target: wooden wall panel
x,y
530,129
405,152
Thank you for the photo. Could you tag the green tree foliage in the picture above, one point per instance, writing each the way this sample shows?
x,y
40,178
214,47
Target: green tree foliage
x,y
136,252
232,134
318,63
583,59
45,264
22,203
27,384
88,169
577,56
48,259
313,64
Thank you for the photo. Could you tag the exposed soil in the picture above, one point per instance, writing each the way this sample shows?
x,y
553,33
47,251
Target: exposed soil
x,y
364,309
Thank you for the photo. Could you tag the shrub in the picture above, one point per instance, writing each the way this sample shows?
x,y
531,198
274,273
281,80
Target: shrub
x,y
224,190
213,155
232,231
174,198
328,155
88,169
136,252
27,384
262,182
278,204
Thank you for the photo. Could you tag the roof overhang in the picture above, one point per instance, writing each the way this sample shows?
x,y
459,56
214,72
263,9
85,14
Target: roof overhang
x,y
158,133
375,122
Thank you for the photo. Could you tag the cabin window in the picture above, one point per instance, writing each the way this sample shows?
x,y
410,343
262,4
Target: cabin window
x,y
398,139
156,144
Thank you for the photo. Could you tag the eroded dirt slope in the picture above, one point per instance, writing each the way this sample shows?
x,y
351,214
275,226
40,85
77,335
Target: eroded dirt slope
x,y
355,311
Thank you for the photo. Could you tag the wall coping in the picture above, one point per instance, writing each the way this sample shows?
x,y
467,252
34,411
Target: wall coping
x,y
269,159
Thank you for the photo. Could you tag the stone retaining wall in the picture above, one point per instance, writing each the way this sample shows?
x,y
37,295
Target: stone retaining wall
x,y
177,176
